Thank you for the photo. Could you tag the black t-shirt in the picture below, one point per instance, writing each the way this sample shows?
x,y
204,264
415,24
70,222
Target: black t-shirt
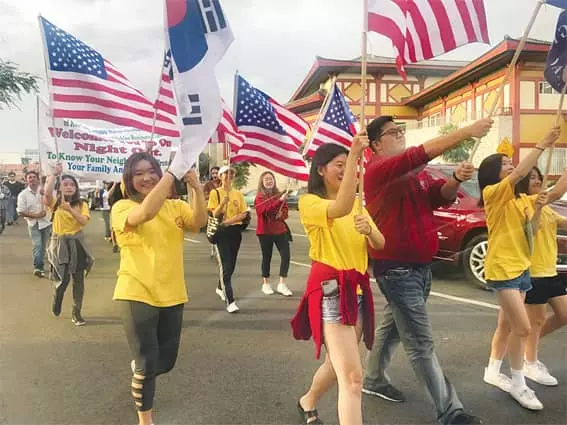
x,y
15,187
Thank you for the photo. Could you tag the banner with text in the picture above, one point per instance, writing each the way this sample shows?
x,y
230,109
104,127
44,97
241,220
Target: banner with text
x,y
93,153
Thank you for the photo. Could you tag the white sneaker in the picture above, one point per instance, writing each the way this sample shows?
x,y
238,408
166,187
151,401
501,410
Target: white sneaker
x,y
284,290
220,293
267,289
133,366
232,307
539,373
526,397
498,380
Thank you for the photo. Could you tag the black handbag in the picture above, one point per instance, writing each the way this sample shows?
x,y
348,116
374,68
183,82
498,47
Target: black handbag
x,y
214,225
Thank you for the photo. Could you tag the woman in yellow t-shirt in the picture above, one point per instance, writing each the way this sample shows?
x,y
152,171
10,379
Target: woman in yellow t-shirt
x,y
510,222
547,285
229,204
337,306
150,288
68,254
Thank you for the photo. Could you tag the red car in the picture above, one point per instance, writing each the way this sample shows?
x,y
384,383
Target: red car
x,y
463,233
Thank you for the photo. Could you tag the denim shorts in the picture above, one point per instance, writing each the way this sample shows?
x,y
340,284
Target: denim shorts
x,y
523,283
331,310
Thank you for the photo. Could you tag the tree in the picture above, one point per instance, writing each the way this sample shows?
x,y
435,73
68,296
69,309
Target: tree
x,y
460,152
242,174
13,83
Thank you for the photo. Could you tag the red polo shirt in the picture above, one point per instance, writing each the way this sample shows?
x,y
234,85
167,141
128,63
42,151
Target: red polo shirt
x,y
401,198
267,208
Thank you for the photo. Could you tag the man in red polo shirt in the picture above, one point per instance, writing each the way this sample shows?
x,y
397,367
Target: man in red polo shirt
x,y
401,199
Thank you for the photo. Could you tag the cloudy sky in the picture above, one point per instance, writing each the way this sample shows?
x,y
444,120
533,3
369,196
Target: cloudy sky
x,y
276,42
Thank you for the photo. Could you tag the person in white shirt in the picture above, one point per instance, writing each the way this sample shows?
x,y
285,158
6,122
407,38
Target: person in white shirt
x,y
31,207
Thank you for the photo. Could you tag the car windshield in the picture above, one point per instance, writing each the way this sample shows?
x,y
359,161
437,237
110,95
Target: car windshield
x,y
470,186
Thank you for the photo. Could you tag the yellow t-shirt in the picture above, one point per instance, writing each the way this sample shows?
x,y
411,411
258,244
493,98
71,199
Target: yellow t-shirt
x,y
151,254
508,253
236,202
64,223
334,242
544,259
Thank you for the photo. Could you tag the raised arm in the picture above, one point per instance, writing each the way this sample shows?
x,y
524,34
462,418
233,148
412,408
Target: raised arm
x,y
50,183
152,203
439,145
347,190
525,166
559,189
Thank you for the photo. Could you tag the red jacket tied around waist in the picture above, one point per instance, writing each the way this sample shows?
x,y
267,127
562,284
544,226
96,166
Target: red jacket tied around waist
x,y
308,322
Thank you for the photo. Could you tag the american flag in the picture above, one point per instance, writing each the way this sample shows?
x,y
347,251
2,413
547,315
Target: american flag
x,y
227,132
268,141
84,85
165,102
423,29
338,123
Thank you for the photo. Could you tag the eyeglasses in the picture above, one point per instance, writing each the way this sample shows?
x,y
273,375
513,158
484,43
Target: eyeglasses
x,y
396,132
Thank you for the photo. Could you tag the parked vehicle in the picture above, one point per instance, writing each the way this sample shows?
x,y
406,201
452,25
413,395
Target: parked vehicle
x,y
249,197
462,230
293,198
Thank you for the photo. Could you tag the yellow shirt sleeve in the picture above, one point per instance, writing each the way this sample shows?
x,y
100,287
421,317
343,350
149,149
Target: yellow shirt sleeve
x,y
119,214
313,211
498,194
214,200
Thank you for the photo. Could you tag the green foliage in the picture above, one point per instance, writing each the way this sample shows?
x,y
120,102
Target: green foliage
x,y
460,152
14,83
242,174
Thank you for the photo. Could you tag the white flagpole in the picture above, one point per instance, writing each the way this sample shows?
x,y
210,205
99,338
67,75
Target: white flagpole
x,y
363,100
46,61
550,151
320,117
509,71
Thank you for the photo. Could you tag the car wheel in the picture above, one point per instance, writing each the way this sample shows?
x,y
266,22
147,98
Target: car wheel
x,y
473,260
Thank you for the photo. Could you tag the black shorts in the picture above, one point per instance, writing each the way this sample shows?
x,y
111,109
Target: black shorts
x,y
545,288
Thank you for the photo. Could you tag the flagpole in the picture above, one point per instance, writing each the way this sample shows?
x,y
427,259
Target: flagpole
x,y
46,62
550,151
363,100
509,71
320,117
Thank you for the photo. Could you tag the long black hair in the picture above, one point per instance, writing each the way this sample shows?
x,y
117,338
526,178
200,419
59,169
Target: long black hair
x,y
523,186
128,173
325,154
489,173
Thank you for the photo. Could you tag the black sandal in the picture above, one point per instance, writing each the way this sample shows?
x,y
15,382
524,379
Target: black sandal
x,y
309,417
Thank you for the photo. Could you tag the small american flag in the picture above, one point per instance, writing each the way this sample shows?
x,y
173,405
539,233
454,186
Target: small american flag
x,y
84,85
165,102
424,29
338,123
227,132
268,140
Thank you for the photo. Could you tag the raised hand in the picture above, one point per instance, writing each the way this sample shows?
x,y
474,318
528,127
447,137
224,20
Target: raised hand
x,y
480,128
359,143
464,171
551,137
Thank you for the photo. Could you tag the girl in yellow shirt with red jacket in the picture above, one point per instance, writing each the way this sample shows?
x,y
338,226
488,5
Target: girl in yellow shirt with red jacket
x,y
337,306
510,222
150,289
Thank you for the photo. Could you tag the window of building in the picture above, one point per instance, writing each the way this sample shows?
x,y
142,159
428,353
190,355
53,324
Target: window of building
x,y
545,88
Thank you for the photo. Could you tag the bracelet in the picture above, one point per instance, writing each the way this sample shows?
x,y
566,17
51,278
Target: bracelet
x,y
456,178
369,233
540,148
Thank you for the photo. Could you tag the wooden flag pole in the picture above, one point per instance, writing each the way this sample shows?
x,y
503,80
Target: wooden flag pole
x,y
320,117
509,71
550,151
363,99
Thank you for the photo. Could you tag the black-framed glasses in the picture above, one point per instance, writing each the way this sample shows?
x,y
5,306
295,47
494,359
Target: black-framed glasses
x,y
396,132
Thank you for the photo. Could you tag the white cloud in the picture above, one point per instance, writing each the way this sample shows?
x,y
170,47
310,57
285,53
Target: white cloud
x,y
276,42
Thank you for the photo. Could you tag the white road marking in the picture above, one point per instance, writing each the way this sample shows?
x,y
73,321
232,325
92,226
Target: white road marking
x,y
437,294
192,240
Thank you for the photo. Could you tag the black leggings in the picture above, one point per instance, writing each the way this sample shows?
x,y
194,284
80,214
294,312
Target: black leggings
x,y
227,251
153,335
267,245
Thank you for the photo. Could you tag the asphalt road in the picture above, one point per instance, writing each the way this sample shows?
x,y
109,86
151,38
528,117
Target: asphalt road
x,y
232,369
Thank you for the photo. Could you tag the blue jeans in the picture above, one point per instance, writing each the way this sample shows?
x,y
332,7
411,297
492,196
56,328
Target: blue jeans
x,y
40,239
405,320
12,214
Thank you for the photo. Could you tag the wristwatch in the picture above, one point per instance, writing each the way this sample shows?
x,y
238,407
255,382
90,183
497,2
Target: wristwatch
x,y
456,178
